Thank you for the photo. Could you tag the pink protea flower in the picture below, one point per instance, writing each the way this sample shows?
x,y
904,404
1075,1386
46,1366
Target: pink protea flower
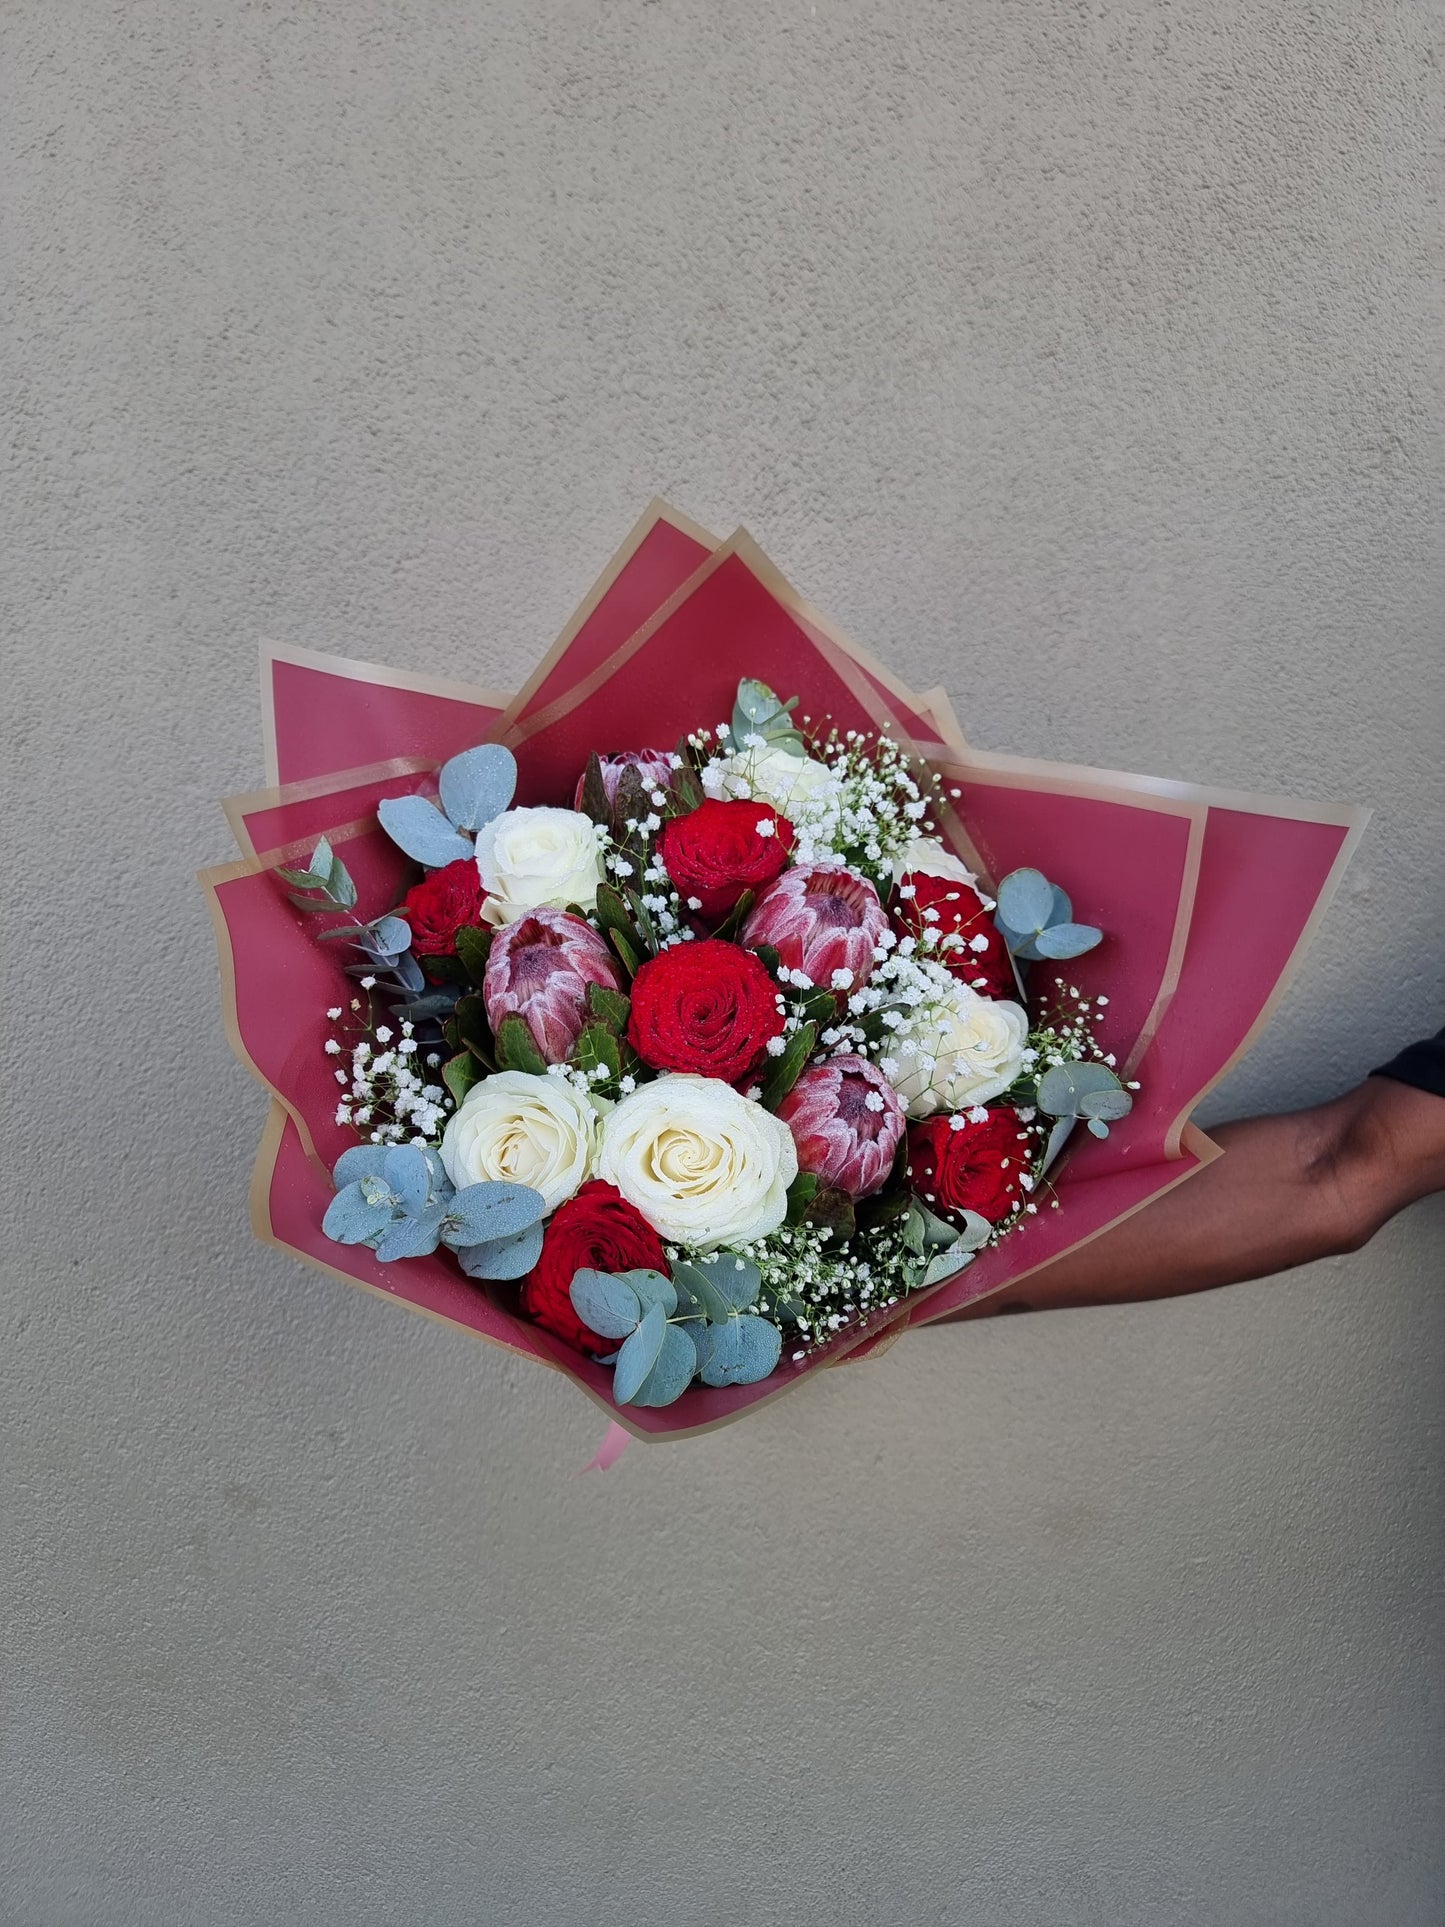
x,y
539,969
847,1123
823,922
654,766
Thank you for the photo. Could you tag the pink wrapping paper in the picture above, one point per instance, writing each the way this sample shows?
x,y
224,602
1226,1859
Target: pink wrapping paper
x,y
1176,876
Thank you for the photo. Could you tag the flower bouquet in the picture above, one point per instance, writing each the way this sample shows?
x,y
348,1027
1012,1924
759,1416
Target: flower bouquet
x,y
709,1010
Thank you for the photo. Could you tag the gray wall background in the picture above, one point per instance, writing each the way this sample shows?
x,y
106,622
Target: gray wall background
x,y
1083,357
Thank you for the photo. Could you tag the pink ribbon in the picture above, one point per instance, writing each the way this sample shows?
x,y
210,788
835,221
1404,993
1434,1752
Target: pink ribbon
x,y
615,1441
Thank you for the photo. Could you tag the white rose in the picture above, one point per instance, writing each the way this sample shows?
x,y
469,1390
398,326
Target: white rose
x,y
514,1128
537,858
776,775
926,856
703,1165
962,1050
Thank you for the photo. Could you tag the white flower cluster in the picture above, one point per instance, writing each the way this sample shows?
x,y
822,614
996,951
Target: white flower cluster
x,y
386,1097
819,1286
855,802
655,889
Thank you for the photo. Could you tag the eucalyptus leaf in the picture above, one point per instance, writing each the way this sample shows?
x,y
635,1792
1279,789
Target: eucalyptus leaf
x,y
973,1233
503,1257
419,828
1062,1087
390,936
1098,1127
1058,1138
1108,1105
741,1351
607,1305
339,886
639,1354
478,785
652,1288
696,1286
1062,940
409,1176
361,1161
351,1219
735,1281
673,1370
412,1237
1063,910
1025,900
481,1212
947,1264
321,860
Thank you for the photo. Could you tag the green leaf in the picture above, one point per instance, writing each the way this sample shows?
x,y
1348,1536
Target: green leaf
x,y
727,930
628,955
516,1047
321,860
609,1007
474,946
612,913
788,1068
301,879
459,1073
595,1045
309,905
475,1032
801,1193
696,1285
832,1211
684,786
768,958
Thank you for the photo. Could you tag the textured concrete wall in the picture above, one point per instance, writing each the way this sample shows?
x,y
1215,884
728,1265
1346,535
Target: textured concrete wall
x,y
1080,356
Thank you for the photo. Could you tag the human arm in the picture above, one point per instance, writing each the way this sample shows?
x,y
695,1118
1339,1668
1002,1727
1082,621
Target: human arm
x,y
1288,1189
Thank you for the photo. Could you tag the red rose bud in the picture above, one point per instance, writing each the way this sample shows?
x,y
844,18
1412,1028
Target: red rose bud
x,y
973,949
597,1230
539,969
847,1122
958,1166
706,1007
823,922
654,766
719,850
441,904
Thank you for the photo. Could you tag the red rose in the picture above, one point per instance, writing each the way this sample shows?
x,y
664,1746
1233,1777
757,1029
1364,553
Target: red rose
x,y
974,1167
980,956
719,850
596,1230
706,1007
441,904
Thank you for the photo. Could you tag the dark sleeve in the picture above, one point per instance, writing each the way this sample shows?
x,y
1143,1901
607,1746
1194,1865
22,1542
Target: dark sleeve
x,y
1422,1065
